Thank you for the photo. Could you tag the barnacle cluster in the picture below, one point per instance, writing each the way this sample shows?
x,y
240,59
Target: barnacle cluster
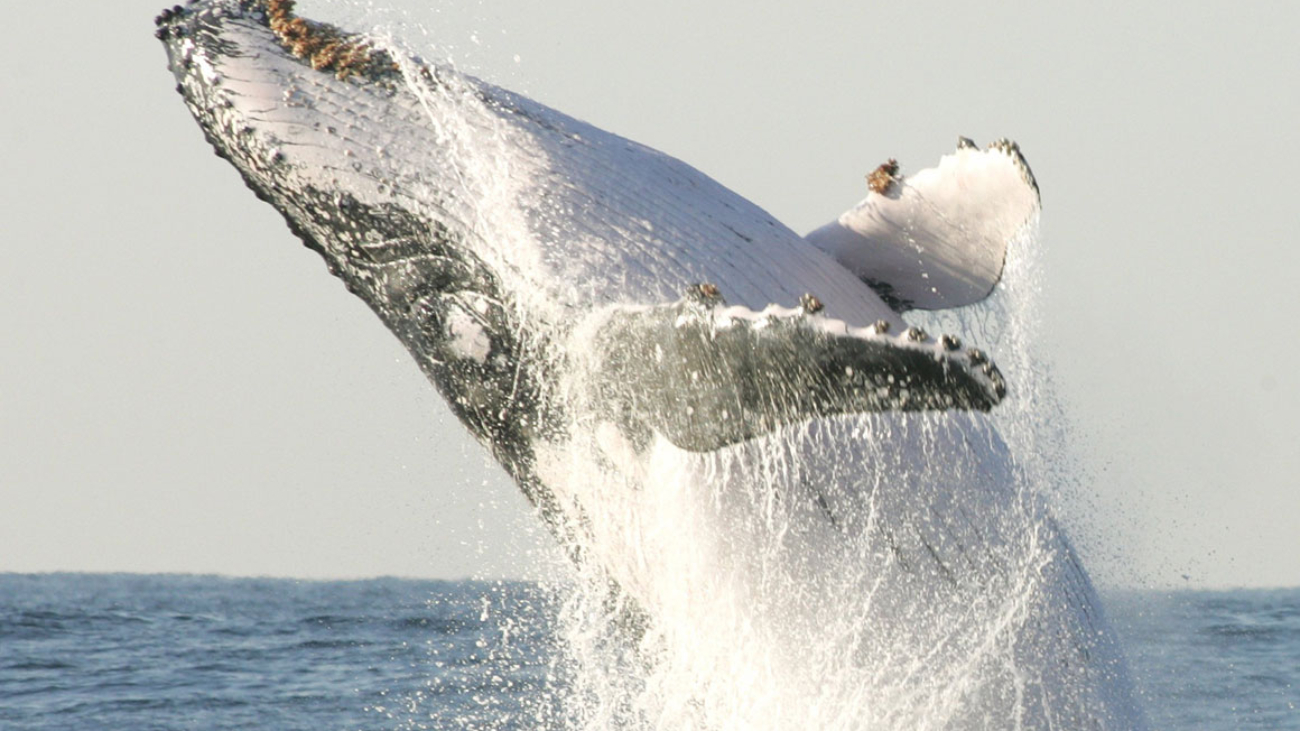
x,y
811,304
704,293
324,46
882,178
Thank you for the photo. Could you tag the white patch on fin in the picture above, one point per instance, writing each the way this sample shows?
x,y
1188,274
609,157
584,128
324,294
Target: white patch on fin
x,y
937,239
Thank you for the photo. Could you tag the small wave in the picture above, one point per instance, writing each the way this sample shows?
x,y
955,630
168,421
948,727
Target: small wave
x,y
1267,681
438,625
332,644
334,620
1239,632
39,665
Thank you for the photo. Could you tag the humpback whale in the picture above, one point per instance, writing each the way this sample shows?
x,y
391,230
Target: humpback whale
x,y
784,487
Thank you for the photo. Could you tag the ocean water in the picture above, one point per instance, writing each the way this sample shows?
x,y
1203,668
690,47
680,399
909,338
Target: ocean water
x,y
139,652
198,652
1211,660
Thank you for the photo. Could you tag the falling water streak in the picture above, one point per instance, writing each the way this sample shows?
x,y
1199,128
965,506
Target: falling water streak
x,y
1008,324
767,613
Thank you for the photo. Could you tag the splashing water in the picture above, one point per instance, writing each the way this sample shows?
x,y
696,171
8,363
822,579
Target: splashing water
x,y
873,571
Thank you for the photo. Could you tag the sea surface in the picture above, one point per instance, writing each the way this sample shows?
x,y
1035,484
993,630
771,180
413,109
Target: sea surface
x,y
120,651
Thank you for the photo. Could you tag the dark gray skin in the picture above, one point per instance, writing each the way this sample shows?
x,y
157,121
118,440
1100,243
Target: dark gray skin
x,y
752,380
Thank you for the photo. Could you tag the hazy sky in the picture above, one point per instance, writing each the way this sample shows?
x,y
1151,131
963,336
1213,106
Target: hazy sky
x,y
184,388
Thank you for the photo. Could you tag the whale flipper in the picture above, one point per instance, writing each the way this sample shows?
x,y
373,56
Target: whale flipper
x,y
706,376
936,239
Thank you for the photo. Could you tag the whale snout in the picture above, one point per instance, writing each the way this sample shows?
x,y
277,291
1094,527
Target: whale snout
x,y
292,104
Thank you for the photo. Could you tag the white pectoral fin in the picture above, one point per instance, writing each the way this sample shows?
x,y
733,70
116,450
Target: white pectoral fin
x,y
936,239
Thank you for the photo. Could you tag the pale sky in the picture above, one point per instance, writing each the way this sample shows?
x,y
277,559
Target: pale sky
x,y
184,388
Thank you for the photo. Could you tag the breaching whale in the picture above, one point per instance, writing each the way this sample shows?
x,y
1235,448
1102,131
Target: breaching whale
x,y
729,424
